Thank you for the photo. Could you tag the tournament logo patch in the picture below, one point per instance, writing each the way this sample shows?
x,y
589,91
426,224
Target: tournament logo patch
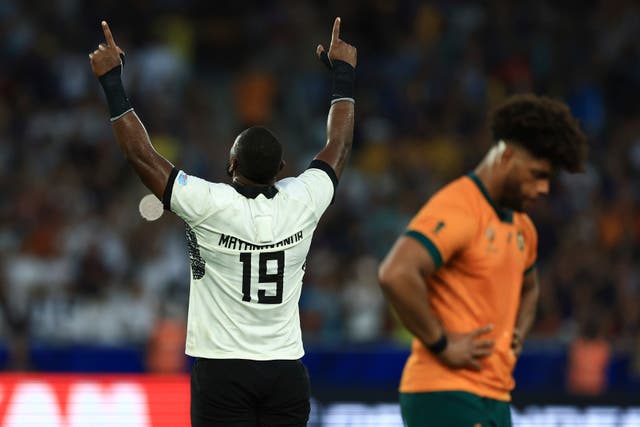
x,y
520,241
182,178
491,234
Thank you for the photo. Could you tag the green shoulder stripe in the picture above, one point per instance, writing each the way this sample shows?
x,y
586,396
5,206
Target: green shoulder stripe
x,y
428,245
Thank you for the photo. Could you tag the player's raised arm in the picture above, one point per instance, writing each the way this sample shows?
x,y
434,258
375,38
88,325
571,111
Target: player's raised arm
x,y
341,59
132,137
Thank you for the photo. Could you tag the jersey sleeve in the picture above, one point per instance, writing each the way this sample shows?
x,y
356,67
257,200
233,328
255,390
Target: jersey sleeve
x,y
316,185
189,197
443,227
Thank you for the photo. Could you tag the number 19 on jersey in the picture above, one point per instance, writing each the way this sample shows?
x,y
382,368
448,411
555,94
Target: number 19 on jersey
x,y
264,258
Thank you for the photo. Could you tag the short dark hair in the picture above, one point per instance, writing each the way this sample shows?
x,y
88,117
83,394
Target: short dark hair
x,y
259,154
544,127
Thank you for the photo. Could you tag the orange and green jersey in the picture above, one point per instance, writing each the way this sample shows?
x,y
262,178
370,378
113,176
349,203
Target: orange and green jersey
x,y
482,253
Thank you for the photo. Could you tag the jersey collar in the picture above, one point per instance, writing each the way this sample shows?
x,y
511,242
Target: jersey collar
x,y
253,191
505,215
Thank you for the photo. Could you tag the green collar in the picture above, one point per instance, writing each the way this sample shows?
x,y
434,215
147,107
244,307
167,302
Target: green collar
x,y
505,215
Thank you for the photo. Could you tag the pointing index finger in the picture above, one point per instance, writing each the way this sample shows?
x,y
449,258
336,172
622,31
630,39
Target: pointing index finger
x,y
107,34
335,35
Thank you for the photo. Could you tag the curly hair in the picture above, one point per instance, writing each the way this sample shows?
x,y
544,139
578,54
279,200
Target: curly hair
x,y
544,127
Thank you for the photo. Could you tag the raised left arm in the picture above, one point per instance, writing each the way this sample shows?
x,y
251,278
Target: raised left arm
x,y
526,311
132,137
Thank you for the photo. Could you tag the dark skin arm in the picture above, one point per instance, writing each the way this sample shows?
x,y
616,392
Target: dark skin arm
x,y
132,137
402,278
526,311
151,167
341,114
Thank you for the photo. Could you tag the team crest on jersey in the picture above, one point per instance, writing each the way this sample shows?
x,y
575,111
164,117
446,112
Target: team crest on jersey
x,y
520,241
182,178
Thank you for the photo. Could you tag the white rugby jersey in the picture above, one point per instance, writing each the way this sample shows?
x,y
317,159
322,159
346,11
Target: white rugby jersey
x,y
248,247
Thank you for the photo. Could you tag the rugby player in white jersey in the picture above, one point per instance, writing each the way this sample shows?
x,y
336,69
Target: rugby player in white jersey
x,y
248,242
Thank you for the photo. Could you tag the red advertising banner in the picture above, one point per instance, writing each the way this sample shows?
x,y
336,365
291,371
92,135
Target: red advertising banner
x,y
93,400
75,400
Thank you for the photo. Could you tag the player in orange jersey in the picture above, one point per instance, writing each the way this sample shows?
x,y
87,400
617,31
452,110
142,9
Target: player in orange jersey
x,y
462,278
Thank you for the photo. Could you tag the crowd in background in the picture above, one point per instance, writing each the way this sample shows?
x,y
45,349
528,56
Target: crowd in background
x,y
80,265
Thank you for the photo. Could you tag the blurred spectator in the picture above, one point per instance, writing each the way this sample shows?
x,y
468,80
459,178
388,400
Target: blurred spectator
x,y
588,360
165,350
363,302
321,314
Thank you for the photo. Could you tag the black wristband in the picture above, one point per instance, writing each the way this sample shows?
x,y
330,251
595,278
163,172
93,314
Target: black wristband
x,y
438,346
114,91
344,76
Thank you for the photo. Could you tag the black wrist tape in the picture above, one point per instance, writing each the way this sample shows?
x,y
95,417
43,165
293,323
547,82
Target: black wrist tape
x,y
114,91
343,81
438,346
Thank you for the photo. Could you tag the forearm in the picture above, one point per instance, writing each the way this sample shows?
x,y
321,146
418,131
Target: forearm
x,y
341,114
133,139
339,135
527,309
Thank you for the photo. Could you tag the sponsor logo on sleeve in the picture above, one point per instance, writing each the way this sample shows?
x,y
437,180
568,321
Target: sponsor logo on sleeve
x,y
182,178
